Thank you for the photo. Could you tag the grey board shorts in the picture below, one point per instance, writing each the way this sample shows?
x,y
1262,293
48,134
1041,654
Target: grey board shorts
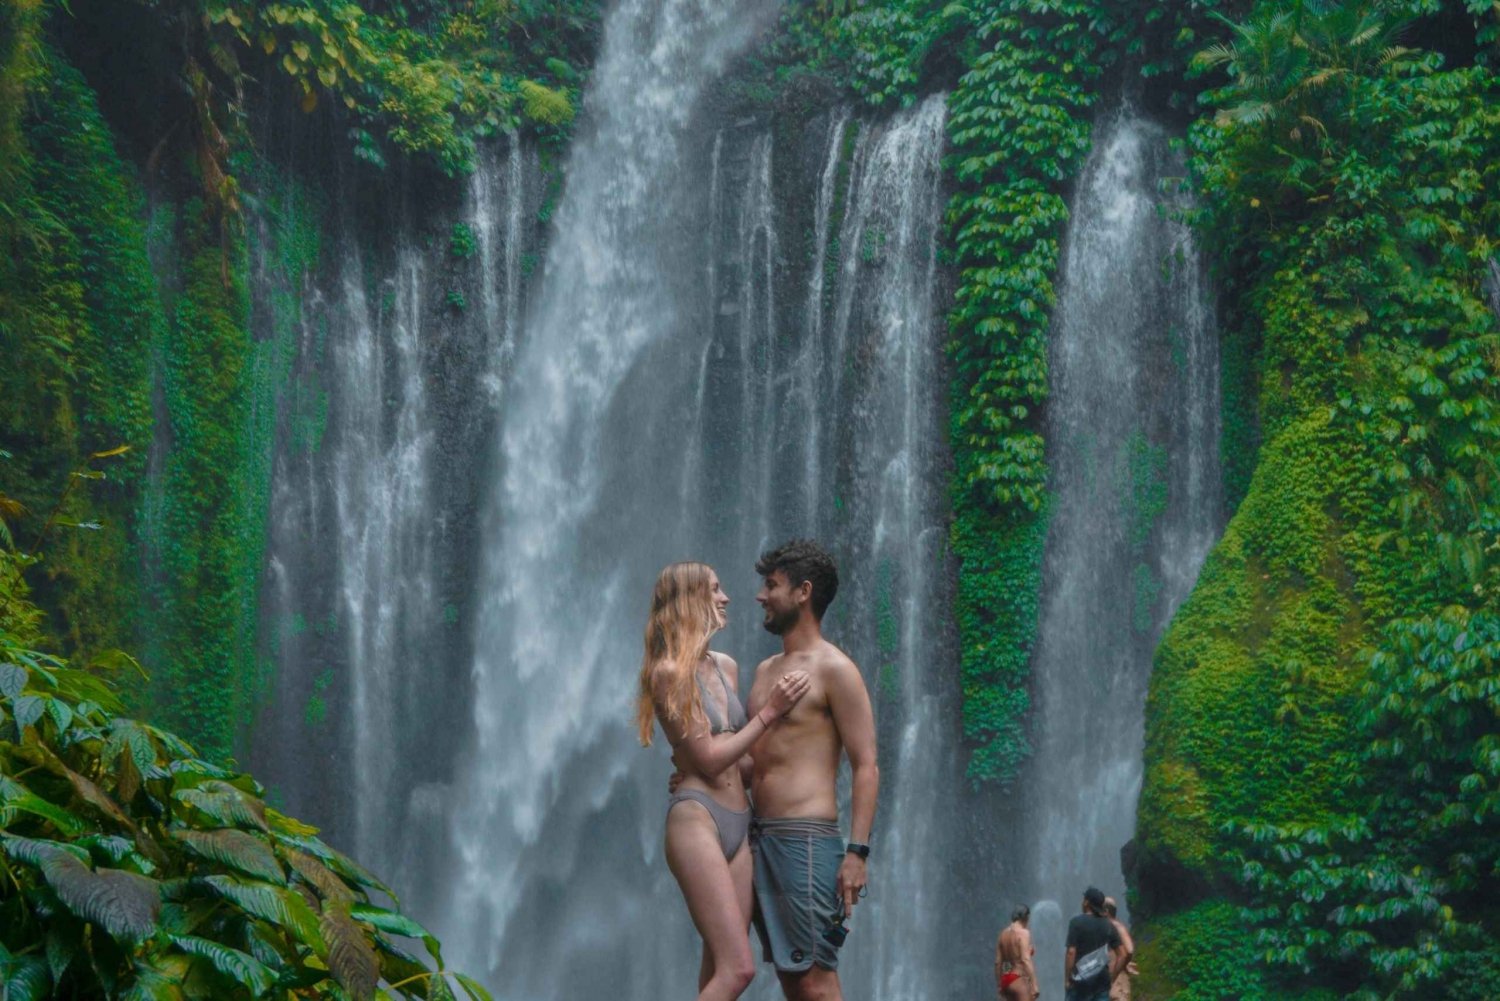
x,y
796,890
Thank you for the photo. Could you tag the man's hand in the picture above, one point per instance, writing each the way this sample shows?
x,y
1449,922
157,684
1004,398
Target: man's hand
x,y
673,781
851,882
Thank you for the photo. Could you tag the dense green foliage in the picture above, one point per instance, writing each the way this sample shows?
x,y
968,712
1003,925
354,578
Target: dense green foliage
x,y
124,329
135,869
1324,709
1018,133
430,80
78,321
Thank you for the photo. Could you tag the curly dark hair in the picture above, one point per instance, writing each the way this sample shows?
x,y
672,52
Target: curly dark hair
x,y
804,560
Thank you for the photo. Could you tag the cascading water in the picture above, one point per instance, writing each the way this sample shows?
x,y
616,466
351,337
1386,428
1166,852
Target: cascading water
x,y
370,527
1132,440
633,433
692,378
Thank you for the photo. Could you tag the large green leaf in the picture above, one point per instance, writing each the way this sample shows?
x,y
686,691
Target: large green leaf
x,y
339,863
153,984
124,904
274,904
473,988
129,737
15,796
64,940
238,849
351,957
33,850
240,967
12,680
317,875
225,804
389,921
26,979
399,966
27,710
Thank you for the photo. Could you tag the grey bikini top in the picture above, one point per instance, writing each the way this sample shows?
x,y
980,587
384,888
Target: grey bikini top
x,y
716,723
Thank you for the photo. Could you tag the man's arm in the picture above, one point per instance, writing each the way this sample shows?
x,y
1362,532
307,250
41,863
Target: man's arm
x,y
849,702
1069,961
1121,948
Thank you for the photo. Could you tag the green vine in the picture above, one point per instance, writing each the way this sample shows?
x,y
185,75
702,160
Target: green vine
x,y
1018,133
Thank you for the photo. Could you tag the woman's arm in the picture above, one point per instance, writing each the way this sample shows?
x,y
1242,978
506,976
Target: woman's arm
x,y
710,754
1027,966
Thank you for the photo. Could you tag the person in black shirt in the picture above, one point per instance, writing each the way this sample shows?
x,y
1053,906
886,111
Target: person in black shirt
x,y
1096,954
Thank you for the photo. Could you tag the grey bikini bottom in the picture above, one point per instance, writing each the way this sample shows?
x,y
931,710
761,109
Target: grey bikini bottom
x,y
733,825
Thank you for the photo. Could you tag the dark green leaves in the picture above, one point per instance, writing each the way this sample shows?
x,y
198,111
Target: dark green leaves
x,y
274,904
238,966
124,904
242,851
351,957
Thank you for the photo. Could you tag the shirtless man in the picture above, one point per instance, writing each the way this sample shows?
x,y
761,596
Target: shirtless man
x,y
1120,989
807,878
1015,970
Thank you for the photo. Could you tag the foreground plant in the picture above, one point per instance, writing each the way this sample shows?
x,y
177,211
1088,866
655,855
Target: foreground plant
x,y
131,868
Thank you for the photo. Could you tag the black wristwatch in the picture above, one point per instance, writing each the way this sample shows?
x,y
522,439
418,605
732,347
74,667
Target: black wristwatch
x,y
855,848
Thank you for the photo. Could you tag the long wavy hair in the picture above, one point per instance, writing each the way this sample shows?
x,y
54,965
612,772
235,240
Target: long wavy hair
x,y
681,623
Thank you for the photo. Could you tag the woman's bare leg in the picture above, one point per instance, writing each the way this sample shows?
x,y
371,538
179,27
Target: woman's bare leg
x,y
713,900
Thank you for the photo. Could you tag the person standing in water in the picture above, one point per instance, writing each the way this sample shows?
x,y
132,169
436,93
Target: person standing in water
x,y
807,878
692,692
1095,955
1120,989
1015,972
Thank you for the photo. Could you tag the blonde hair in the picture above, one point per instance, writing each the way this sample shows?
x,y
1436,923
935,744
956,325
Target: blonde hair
x,y
681,623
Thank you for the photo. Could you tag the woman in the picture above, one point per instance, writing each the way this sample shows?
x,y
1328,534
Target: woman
x,y
1015,973
691,691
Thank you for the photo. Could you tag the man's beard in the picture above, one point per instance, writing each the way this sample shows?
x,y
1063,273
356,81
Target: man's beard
x,y
778,623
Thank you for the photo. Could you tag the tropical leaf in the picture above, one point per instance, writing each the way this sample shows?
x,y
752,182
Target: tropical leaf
x,y
389,921
339,863
125,904
317,875
15,796
274,904
225,804
12,680
61,713
26,979
282,824
398,966
129,736
33,850
27,711
351,957
64,939
240,967
473,988
234,848
154,984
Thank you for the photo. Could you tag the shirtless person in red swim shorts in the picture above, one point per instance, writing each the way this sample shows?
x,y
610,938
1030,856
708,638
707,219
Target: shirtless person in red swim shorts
x,y
1015,976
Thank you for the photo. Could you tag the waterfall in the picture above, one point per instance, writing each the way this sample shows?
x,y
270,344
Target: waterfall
x,y
395,389
736,338
1132,436
657,409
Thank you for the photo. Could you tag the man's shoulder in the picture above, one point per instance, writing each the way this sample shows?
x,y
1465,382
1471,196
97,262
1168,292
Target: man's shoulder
x,y
831,659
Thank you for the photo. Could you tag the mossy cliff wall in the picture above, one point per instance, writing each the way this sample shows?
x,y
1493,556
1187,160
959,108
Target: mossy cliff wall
x,y
157,550
1267,857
